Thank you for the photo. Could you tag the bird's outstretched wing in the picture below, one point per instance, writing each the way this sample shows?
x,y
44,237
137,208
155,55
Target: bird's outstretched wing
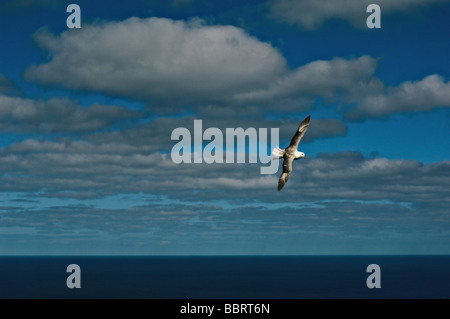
x,y
300,132
287,169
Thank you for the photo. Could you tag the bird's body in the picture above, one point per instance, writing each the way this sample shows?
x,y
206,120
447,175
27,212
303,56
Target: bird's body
x,y
290,153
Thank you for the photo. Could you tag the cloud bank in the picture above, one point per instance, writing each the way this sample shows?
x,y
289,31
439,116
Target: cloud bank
x,y
58,115
218,71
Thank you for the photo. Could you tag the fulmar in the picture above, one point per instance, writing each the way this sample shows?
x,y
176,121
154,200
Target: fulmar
x,y
291,153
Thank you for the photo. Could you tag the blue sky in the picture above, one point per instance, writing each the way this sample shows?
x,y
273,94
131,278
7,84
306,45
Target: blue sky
x,y
86,117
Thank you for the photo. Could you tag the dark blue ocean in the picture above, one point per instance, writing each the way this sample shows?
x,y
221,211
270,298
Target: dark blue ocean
x,y
230,277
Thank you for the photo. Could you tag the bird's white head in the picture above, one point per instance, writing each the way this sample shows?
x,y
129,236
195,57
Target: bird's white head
x,y
299,154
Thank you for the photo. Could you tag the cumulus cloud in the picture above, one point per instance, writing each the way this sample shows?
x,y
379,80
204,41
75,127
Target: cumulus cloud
x,y
411,96
350,176
310,14
156,134
326,79
57,115
159,58
354,86
67,167
219,71
195,64
227,78
329,196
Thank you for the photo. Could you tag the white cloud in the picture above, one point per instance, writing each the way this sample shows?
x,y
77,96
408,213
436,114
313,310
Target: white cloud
x,y
58,115
77,167
220,71
352,77
424,95
188,62
158,58
311,14
332,190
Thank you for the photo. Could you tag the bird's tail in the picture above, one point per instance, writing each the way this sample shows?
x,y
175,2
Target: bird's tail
x,y
278,152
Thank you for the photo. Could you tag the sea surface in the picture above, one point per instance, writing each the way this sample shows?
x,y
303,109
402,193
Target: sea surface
x,y
225,277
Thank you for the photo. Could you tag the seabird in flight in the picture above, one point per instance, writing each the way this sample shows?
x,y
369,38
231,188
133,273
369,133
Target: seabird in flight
x,y
291,153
